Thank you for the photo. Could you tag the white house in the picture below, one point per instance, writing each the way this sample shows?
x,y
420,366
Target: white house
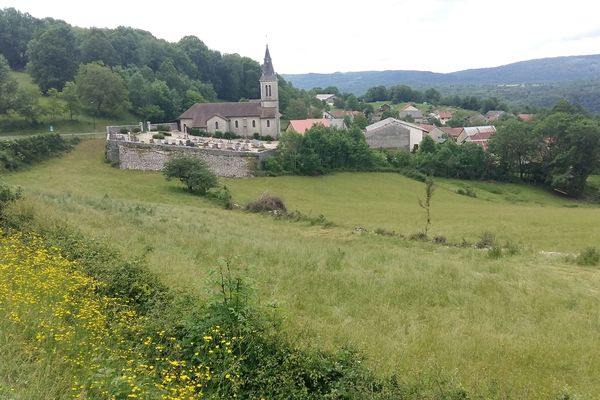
x,y
328,98
392,133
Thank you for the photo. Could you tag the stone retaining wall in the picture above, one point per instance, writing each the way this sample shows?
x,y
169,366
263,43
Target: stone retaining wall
x,y
152,157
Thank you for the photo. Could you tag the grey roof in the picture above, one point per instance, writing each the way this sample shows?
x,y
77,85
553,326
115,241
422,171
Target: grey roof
x,y
394,121
199,113
267,68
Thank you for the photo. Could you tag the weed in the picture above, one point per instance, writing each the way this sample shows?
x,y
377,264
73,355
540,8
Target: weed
x,y
467,191
487,240
588,256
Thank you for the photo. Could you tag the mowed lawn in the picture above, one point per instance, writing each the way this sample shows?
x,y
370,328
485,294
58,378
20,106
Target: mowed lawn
x,y
524,326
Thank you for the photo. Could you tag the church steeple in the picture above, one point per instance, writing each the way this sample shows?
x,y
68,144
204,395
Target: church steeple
x,y
267,68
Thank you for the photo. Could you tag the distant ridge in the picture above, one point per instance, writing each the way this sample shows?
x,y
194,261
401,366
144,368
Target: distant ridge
x,y
543,70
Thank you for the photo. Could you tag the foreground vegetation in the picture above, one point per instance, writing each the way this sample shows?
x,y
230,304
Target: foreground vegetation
x,y
522,324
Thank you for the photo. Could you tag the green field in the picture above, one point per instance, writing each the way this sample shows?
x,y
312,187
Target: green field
x,y
523,326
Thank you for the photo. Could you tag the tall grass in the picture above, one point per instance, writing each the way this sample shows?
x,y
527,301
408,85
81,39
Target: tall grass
x,y
520,326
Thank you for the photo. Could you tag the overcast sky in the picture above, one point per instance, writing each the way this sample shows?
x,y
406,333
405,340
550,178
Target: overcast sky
x,y
336,35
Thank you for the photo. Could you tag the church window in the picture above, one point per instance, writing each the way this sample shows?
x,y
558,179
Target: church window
x,y
268,123
253,123
216,124
236,124
269,90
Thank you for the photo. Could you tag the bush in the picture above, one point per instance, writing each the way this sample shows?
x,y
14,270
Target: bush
x,y
229,135
272,164
256,135
7,196
165,133
16,154
124,131
161,127
495,252
468,191
266,202
221,196
588,256
414,174
136,130
268,138
158,135
419,236
218,134
193,172
196,132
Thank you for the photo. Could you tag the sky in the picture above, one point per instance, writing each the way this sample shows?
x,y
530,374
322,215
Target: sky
x,y
327,36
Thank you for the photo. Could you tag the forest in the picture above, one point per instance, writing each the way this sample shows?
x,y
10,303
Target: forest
x,y
107,71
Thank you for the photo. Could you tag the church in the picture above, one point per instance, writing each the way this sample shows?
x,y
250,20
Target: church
x,y
244,118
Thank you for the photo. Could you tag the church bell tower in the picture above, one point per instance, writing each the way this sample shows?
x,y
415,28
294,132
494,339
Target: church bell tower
x,y
269,93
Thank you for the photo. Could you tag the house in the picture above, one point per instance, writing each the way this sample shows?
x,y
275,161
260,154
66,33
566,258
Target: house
x,y
411,111
302,125
392,133
481,139
340,114
328,98
245,118
477,119
441,133
482,133
443,116
494,115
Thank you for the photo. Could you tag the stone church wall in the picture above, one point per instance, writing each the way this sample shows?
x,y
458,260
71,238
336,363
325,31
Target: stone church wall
x,y
152,157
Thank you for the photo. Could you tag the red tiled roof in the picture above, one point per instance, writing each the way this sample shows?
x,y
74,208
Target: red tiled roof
x,y
452,132
445,115
302,125
427,127
480,139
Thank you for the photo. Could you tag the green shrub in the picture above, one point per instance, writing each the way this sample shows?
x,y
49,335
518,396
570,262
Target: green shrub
x,y
218,134
16,154
161,127
124,131
271,164
467,191
588,256
136,130
221,196
384,232
196,132
495,252
158,135
256,135
166,133
7,196
414,174
229,135
267,138
192,172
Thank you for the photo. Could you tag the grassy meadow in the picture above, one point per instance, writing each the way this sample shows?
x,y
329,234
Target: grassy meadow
x,y
522,326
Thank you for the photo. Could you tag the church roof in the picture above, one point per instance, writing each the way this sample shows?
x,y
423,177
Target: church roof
x,y
199,113
267,68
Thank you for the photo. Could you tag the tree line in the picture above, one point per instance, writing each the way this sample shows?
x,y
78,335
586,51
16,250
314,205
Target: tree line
x,y
152,78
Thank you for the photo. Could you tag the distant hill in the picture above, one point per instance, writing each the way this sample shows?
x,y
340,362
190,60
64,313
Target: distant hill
x,y
540,71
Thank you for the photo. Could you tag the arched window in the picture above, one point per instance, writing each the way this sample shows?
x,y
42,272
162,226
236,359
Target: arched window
x,y
254,123
236,124
268,123
269,89
216,124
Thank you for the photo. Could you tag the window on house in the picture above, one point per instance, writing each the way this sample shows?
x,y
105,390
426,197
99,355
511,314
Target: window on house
x,y
268,124
216,124
253,123
236,124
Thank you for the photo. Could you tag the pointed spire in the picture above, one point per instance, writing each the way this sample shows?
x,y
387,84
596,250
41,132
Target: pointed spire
x,y
267,68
